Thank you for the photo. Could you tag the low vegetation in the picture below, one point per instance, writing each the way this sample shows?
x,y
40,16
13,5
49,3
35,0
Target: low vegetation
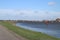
x,y
31,35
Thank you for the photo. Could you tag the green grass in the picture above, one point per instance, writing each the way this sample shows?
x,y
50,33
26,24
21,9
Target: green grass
x,y
31,35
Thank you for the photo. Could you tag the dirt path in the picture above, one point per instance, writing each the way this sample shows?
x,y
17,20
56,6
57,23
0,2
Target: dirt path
x,y
6,35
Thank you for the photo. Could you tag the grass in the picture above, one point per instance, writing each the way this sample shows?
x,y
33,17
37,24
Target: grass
x,y
31,35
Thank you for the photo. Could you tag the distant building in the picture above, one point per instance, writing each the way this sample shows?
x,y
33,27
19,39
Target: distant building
x,y
46,21
58,20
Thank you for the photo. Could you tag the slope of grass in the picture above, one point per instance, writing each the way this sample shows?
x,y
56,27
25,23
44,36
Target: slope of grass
x,y
31,35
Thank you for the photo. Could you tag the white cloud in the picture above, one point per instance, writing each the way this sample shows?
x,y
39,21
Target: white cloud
x,y
27,14
51,3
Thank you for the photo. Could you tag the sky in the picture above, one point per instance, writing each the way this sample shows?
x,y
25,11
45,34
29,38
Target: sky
x,y
29,9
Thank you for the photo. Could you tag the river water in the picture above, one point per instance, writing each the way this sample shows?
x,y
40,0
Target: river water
x,y
52,29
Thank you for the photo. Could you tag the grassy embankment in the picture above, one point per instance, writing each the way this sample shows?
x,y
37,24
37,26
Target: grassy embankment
x,y
27,33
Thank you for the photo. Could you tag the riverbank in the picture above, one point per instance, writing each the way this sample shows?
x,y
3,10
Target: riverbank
x,y
27,33
6,34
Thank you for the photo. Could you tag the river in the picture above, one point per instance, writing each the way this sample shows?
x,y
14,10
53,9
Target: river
x,y
52,29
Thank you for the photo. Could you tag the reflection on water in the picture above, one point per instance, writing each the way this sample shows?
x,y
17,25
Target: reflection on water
x,y
52,29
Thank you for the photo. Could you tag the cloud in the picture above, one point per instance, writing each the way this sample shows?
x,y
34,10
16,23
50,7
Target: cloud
x,y
27,14
51,3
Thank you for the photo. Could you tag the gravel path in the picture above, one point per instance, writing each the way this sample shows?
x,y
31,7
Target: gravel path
x,y
6,35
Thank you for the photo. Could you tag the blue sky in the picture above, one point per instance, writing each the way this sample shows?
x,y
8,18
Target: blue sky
x,y
30,9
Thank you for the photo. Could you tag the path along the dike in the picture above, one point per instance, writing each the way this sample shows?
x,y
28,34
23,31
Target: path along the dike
x,y
6,35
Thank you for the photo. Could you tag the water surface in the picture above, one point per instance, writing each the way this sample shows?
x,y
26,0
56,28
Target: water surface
x,y
52,29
